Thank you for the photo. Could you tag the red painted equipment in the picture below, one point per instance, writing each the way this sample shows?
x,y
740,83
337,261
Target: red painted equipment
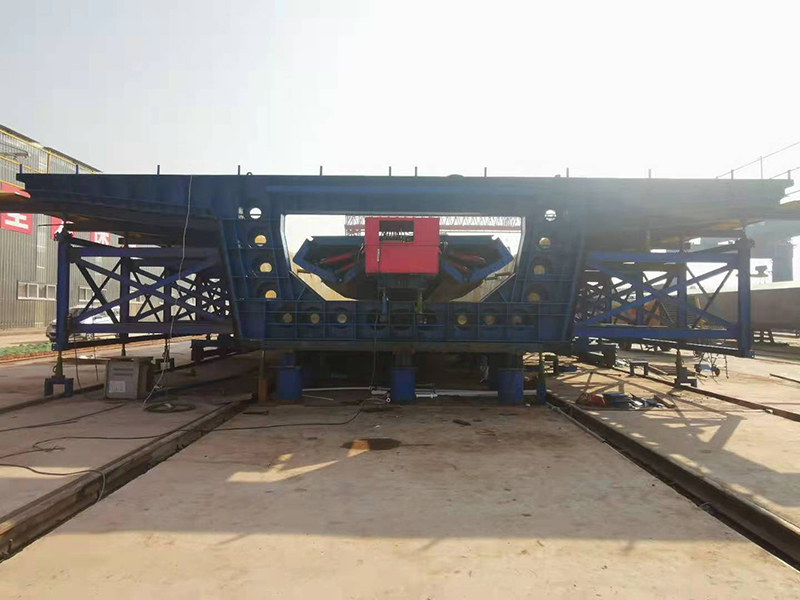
x,y
472,259
330,260
402,245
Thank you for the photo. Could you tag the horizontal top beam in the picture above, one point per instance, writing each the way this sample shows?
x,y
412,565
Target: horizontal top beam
x,y
607,205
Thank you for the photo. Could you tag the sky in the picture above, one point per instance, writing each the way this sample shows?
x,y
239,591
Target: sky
x,y
687,89
613,89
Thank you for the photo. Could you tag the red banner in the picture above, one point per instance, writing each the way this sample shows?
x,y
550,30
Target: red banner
x,y
19,222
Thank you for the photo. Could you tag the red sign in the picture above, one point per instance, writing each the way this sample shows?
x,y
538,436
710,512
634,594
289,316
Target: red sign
x,y
19,222
101,237
56,225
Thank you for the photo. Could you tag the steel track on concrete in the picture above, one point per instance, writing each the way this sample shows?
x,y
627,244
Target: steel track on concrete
x,y
26,524
775,534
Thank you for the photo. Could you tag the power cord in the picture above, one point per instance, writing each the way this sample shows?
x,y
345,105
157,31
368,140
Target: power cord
x,y
172,316
66,474
68,421
37,448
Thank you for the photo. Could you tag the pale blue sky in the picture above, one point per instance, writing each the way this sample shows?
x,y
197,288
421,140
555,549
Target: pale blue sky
x,y
525,88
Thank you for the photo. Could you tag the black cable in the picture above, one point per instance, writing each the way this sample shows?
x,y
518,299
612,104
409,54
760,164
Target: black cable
x,y
67,474
36,448
183,428
250,427
63,421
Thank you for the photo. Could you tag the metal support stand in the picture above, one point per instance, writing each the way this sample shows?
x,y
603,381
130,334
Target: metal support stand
x,y
62,317
682,373
58,378
745,337
263,383
541,382
165,362
645,365
495,362
290,379
510,379
404,380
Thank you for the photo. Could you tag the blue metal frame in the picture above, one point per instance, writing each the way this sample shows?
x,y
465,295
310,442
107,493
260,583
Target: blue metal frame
x,y
183,291
618,287
584,238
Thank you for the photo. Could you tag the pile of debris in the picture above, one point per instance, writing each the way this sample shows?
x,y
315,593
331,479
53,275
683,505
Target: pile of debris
x,y
621,401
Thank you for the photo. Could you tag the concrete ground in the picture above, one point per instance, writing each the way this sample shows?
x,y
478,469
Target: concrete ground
x,y
21,381
747,378
517,503
20,429
749,452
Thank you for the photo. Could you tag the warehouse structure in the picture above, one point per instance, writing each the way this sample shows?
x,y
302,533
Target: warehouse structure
x,y
28,261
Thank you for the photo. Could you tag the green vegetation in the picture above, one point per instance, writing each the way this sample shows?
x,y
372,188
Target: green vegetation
x,y
25,349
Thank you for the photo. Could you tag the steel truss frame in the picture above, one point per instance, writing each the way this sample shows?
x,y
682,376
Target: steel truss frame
x,y
641,296
183,291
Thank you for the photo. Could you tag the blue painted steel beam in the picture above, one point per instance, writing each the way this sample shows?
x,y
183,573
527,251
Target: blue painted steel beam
x,y
178,328
613,332
62,292
221,205
662,295
745,328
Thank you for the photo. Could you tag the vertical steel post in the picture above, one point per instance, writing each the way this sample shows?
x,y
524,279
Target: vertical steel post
x,y
682,295
167,309
62,290
745,330
263,383
640,294
124,290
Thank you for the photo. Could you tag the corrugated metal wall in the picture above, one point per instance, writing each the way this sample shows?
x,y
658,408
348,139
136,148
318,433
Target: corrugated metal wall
x,y
32,258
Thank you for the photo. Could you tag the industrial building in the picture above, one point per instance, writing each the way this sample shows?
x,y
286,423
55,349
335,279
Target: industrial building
x,y
28,264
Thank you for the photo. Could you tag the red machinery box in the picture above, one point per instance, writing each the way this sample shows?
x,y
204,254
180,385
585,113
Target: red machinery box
x,y
402,245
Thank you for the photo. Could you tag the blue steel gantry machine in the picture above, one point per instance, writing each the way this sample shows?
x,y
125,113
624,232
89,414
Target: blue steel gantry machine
x,y
599,259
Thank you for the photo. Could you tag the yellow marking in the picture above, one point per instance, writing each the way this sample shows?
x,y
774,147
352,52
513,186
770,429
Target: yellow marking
x,y
358,447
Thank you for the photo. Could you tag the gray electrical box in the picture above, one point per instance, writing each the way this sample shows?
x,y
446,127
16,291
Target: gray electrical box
x,y
128,378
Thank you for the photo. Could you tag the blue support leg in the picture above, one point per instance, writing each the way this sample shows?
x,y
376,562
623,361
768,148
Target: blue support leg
x,y
404,380
62,314
290,380
745,333
509,386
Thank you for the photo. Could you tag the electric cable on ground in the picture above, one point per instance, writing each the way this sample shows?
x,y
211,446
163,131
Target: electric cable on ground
x,y
36,446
